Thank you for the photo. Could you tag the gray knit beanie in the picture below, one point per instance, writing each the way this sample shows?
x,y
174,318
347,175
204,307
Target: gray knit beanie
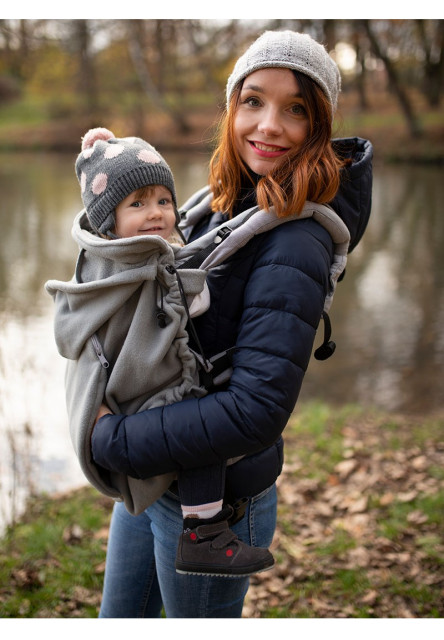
x,y
290,50
110,168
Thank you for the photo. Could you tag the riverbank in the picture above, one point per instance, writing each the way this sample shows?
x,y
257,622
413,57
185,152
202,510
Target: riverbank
x,y
360,529
28,129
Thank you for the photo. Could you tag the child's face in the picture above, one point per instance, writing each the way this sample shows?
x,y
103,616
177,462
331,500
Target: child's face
x,y
146,213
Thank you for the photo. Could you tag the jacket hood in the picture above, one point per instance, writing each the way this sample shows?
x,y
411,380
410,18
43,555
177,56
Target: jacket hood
x,y
353,201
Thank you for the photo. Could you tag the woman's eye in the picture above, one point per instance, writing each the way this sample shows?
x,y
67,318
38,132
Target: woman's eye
x,y
298,109
253,102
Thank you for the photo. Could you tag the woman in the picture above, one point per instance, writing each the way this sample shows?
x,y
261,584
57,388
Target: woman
x,y
274,150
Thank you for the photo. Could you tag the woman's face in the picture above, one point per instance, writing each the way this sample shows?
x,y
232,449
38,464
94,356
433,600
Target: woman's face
x,y
270,119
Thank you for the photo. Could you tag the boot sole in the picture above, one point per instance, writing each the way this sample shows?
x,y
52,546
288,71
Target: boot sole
x,y
219,574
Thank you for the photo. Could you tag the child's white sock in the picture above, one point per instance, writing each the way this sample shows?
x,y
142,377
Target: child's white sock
x,y
202,511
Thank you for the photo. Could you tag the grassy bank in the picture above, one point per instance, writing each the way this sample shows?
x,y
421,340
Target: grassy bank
x,y
360,529
28,126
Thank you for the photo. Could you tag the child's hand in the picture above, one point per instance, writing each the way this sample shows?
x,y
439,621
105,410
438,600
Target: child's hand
x,y
103,410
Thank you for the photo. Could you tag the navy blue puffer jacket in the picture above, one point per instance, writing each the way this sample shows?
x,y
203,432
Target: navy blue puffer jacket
x,y
267,300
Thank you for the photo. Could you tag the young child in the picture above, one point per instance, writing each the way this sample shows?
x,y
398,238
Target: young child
x,y
128,191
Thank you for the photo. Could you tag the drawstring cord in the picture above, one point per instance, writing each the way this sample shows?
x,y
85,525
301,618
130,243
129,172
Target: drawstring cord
x,y
160,313
190,327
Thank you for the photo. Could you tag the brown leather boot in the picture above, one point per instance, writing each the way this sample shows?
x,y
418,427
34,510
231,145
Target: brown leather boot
x,y
210,548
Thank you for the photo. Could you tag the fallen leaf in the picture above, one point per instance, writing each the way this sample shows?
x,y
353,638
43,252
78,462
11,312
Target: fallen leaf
x,y
359,506
359,557
386,499
370,597
26,577
407,496
73,534
346,467
417,517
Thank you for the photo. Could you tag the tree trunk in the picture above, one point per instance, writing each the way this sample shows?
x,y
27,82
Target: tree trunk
x,y
412,122
136,53
86,75
433,70
360,77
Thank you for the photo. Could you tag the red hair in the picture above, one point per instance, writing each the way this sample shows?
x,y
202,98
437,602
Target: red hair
x,y
310,173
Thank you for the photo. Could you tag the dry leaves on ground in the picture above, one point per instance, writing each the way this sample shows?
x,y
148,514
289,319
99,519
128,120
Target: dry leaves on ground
x,y
365,540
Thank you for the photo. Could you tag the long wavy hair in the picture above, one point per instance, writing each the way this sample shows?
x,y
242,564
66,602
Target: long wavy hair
x,y
310,173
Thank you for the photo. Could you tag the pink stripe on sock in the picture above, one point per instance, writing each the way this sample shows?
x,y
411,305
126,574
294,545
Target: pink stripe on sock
x,y
207,510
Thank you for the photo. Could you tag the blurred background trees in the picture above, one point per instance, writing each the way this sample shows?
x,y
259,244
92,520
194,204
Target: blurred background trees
x,y
172,71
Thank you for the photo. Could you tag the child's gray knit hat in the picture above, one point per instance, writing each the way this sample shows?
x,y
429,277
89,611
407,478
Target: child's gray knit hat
x,y
110,168
290,50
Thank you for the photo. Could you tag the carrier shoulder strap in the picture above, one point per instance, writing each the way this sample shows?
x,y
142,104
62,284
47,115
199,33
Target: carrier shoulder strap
x,y
216,246
219,244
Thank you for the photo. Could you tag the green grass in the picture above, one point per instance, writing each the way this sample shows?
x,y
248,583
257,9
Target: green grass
x,y
318,434
395,517
47,567
350,583
340,543
430,545
384,560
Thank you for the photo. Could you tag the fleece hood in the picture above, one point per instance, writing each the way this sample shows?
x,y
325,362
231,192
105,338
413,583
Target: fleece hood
x,y
107,278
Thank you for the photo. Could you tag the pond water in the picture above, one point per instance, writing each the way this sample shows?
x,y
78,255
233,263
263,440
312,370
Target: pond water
x,y
388,313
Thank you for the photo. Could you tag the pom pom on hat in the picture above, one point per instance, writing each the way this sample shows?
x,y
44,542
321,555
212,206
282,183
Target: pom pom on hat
x,y
99,133
110,168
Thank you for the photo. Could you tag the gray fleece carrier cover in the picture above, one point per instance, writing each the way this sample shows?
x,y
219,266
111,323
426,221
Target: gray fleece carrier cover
x,y
106,326
107,315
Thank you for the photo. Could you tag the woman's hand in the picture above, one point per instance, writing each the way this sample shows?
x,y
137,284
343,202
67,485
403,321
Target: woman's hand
x,y
103,411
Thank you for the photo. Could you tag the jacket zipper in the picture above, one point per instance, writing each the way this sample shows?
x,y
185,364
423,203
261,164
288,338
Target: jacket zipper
x,y
99,351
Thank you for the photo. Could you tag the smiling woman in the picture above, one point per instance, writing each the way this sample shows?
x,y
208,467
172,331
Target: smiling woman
x,y
266,301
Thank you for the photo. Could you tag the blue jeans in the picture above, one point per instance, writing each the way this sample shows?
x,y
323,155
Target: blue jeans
x,y
140,576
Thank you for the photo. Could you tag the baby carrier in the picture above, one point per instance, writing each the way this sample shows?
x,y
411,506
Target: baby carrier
x,y
122,322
